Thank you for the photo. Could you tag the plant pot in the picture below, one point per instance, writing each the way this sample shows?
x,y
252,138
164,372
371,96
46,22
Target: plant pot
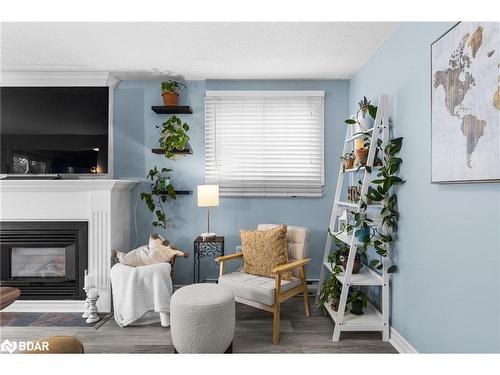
x,y
349,164
364,234
164,182
357,308
170,98
356,266
335,304
362,155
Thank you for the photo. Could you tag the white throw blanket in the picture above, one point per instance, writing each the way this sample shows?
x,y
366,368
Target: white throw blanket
x,y
140,293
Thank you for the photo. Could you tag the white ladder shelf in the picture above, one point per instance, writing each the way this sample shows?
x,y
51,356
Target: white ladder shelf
x,y
372,319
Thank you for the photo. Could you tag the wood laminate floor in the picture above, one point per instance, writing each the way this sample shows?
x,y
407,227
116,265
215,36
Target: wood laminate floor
x,y
299,334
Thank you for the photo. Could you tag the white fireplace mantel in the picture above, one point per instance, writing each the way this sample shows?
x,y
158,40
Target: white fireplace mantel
x,y
104,204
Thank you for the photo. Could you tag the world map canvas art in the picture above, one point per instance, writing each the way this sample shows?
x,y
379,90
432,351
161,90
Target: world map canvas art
x,y
466,103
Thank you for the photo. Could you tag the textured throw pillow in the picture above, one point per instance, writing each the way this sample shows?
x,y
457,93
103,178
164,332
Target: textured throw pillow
x,y
263,250
158,251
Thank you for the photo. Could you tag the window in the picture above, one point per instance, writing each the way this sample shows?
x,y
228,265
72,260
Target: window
x,y
265,143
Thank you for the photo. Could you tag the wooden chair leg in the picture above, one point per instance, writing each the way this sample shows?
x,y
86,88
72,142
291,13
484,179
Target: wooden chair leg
x,y
276,316
276,324
306,302
306,295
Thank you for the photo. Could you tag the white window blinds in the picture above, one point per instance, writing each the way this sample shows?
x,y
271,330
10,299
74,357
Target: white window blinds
x,y
265,143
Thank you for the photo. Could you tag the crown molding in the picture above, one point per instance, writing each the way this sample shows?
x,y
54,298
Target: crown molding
x,y
51,78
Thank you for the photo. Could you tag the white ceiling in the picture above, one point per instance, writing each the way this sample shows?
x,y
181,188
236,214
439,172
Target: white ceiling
x,y
194,50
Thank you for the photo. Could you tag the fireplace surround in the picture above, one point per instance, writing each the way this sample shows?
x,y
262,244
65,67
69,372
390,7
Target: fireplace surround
x,y
103,204
45,260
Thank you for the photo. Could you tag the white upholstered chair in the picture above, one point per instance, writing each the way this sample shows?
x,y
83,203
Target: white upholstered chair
x,y
268,293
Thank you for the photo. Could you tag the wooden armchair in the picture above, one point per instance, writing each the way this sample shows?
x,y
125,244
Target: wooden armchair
x,y
266,293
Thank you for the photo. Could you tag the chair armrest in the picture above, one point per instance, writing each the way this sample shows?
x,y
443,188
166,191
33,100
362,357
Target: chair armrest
x,y
228,257
290,266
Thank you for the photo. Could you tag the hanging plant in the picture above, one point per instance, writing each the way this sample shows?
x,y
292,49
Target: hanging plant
x,y
173,137
159,190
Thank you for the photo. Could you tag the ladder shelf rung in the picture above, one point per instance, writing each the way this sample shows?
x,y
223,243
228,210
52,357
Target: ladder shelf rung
x,y
359,135
348,204
344,237
365,276
370,320
354,205
358,169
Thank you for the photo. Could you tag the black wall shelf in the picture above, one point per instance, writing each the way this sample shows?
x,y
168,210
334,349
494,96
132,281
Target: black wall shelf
x,y
177,109
186,151
180,192
183,192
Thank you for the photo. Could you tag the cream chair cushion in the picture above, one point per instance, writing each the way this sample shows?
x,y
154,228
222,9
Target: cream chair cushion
x,y
298,242
255,288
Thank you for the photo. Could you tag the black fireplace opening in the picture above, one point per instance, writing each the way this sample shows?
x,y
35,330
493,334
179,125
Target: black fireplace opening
x,y
45,260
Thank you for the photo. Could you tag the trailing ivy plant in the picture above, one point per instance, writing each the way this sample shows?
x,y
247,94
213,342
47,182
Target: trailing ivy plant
x,y
330,290
383,192
173,136
381,235
160,189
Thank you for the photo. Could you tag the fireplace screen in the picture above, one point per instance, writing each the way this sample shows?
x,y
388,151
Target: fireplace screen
x,y
38,262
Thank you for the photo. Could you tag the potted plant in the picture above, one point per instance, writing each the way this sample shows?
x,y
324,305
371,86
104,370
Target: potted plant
x,y
344,254
173,136
330,292
362,152
159,189
348,160
359,301
169,91
356,266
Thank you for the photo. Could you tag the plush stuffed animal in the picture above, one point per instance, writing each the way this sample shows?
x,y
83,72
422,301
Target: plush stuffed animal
x,y
157,251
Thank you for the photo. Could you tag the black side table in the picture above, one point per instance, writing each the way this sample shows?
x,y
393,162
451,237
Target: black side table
x,y
204,248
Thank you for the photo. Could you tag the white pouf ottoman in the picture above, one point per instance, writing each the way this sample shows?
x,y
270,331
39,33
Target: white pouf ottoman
x,y
202,319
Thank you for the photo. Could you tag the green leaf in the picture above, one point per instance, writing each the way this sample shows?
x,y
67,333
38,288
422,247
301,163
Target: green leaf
x,y
372,110
392,269
350,121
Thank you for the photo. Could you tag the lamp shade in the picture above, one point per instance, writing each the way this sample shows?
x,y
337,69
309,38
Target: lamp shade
x,y
208,195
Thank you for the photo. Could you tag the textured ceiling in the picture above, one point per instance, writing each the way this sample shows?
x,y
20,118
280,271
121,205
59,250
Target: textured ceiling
x,y
327,50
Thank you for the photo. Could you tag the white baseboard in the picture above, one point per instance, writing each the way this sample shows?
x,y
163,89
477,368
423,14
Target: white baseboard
x,y
46,306
400,344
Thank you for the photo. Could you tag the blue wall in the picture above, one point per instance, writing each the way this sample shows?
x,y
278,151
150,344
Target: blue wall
x,y
446,295
135,135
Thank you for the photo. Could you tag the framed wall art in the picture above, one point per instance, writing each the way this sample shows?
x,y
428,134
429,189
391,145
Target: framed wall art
x,y
465,104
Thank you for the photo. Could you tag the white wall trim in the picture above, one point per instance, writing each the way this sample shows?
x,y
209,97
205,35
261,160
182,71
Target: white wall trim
x,y
46,306
53,78
77,185
400,344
